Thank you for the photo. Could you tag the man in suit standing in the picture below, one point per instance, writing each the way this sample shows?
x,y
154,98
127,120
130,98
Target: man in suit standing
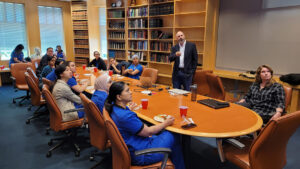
x,y
186,58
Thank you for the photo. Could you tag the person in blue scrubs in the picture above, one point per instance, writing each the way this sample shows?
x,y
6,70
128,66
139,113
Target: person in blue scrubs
x,y
17,56
102,84
138,135
60,53
135,70
72,81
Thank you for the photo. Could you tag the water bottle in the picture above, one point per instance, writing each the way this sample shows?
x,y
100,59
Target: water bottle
x,y
194,92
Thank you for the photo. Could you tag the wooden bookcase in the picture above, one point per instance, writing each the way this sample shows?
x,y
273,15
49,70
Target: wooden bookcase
x,y
149,29
80,30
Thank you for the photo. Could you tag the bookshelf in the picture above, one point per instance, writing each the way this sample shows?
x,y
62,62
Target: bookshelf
x,y
80,31
149,29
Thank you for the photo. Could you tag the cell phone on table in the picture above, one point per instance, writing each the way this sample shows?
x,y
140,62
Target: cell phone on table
x,y
188,126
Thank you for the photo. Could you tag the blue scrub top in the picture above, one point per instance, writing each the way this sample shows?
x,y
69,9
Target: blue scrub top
x,y
99,98
60,55
13,55
129,126
138,67
52,77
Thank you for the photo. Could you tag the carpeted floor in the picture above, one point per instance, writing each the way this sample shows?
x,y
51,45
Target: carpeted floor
x,y
24,146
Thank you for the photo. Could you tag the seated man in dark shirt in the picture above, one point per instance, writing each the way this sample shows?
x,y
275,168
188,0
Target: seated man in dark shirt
x,y
265,96
98,62
44,60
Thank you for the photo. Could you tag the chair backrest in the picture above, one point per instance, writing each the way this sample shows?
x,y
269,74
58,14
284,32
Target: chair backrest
x,y
18,70
35,63
49,83
35,92
120,153
55,114
150,72
98,136
201,81
288,95
216,89
269,149
32,75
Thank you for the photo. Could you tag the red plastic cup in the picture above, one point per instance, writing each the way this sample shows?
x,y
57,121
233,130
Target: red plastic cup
x,y
144,103
83,67
183,110
95,69
2,67
110,72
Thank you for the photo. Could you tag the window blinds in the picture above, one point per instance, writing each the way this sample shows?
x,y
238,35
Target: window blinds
x,y
51,27
12,29
102,26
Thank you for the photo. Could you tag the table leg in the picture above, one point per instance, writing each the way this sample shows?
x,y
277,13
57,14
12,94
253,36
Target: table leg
x,y
220,149
186,145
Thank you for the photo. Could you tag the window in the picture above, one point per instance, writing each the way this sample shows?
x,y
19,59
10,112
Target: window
x,y
51,27
12,29
102,26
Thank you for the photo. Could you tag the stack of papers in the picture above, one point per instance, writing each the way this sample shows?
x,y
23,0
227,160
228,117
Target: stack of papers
x,y
178,91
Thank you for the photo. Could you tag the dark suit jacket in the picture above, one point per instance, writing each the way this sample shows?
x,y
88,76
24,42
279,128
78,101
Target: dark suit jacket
x,y
99,63
190,58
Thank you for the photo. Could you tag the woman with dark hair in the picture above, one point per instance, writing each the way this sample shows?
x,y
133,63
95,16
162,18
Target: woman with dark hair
x,y
64,96
265,96
138,135
17,56
51,66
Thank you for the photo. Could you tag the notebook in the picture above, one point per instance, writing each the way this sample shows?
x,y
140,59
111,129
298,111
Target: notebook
x,y
213,103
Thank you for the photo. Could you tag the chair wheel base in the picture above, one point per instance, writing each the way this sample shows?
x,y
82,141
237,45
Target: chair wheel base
x,y
48,154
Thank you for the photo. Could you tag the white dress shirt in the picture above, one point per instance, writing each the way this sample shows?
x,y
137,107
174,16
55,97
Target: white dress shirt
x,y
181,59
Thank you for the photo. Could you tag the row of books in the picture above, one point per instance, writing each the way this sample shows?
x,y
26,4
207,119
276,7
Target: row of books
x,y
157,34
117,25
81,51
138,23
161,46
164,9
117,45
116,14
78,6
80,25
116,54
138,45
138,34
79,14
159,57
80,33
156,1
81,42
137,12
155,22
142,55
81,60
118,35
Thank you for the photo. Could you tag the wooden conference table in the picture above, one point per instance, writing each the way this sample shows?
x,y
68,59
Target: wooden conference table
x,y
215,123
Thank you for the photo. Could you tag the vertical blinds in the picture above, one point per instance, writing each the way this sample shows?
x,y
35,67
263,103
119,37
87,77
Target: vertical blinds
x,y
12,29
51,27
102,26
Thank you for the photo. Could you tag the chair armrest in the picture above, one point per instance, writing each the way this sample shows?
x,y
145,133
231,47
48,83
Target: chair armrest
x,y
72,110
14,81
235,143
165,151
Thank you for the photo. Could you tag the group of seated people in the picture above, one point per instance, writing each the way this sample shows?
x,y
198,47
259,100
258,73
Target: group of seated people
x,y
266,97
